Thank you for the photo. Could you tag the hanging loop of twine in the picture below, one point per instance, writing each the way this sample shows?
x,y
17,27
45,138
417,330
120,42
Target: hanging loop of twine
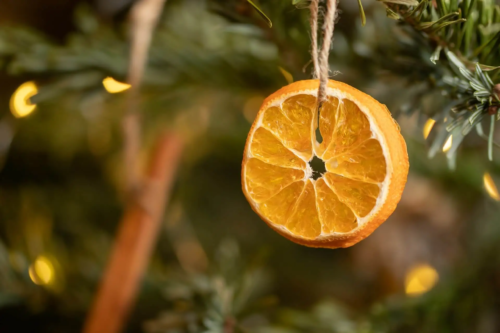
x,y
314,8
320,59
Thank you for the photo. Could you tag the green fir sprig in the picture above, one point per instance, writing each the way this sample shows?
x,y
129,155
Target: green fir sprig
x,y
465,36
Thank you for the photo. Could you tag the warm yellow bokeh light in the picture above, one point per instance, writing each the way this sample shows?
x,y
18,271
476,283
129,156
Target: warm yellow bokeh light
x,y
429,124
490,186
42,271
20,104
420,279
286,74
112,86
448,143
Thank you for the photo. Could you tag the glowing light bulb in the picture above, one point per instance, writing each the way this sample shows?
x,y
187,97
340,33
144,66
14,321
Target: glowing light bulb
x,y
429,124
490,186
447,144
20,104
420,279
41,271
113,87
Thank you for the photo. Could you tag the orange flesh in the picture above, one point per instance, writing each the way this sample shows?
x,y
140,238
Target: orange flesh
x,y
279,180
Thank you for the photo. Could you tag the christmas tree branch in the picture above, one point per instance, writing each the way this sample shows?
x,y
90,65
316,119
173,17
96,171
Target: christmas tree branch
x,y
467,34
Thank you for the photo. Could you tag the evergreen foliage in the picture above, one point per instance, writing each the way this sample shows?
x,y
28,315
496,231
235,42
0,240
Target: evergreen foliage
x,y
208,62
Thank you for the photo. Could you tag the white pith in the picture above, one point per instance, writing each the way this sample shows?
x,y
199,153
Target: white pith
x,y
384,185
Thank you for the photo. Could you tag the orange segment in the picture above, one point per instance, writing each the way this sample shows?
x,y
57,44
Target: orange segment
x,y
299,109
304,220
364,154
351,129
365,162
279,207
334,215
268,148
294,135
265,180
359,196
327,122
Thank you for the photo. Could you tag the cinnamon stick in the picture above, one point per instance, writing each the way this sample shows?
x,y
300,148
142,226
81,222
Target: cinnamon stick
x,y
135,240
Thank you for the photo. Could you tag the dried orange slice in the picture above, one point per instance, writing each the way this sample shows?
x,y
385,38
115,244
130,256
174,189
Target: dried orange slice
x,y
364,155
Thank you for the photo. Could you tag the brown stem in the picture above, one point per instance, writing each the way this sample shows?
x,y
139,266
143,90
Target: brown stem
x,y
135,240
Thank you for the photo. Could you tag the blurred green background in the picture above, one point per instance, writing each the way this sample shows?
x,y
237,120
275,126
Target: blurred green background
x,y
211,64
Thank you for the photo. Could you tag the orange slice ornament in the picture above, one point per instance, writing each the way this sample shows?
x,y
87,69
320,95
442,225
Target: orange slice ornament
x,y
363,151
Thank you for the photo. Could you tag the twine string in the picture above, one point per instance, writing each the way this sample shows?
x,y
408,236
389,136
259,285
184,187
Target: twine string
x,y
314,8
320,59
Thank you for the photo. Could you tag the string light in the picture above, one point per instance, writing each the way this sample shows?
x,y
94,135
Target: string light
x,y
490,186
420,279
41,271
429,124
113,87
447,144
20,104
286,74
